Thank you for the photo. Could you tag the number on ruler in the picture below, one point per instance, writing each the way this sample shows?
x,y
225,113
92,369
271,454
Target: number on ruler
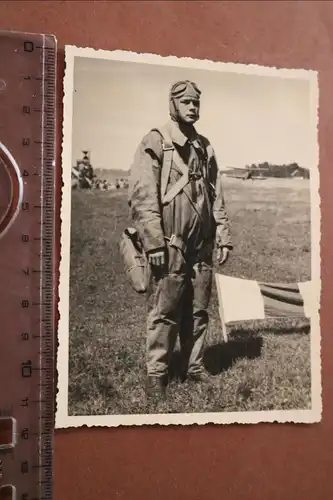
x,y
26,369
24,336
25,433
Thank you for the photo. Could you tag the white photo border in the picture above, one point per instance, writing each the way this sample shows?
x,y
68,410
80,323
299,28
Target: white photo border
x,y
63,420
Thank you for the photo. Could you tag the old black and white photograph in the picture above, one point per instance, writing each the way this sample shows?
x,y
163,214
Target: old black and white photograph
x,y
190,242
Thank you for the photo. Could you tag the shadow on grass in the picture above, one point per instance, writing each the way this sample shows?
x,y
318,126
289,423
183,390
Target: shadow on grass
x,y
243,343
246,343
220,357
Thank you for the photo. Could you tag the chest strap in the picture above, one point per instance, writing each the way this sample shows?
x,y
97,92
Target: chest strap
x,y
170,154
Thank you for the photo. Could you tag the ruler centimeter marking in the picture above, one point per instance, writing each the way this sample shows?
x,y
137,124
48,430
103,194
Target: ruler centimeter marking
x,y
27,130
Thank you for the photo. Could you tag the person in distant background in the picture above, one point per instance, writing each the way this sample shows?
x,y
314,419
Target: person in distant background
x,y
177,205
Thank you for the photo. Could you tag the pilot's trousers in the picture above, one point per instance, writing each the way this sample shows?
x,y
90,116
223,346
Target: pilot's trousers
x,y
177,305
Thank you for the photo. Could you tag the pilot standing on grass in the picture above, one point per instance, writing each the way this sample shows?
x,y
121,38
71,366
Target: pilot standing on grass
x,y
177,206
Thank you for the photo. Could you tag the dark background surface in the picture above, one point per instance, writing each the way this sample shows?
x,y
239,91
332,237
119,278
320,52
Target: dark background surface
x,y
259,462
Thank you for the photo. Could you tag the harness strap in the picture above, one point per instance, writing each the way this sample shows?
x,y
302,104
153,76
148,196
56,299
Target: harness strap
x,y
169,154
176,189
168,150
209,150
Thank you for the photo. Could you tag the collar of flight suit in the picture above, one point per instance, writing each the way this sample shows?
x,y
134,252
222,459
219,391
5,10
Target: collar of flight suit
x,y
177,136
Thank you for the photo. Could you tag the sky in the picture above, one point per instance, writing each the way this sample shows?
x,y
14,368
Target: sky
x,y
247,118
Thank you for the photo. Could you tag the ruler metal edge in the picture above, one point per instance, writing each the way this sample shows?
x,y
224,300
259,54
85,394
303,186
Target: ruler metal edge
x,y
48,286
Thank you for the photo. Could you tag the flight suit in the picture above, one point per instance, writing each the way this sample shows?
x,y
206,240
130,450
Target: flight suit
x,y
186,229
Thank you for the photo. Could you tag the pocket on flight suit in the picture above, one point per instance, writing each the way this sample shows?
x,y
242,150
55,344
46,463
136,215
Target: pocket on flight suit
x,y
202,285
171,286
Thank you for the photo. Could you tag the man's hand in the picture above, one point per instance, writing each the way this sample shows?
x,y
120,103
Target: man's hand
x,y
222,255
156,258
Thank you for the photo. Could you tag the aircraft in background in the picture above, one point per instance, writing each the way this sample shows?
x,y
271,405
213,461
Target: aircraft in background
x,y
245,173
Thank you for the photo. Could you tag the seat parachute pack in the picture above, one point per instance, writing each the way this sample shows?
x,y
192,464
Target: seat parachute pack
x,y
134,259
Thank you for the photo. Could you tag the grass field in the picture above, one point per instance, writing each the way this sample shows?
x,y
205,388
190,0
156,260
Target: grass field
x,y
263,367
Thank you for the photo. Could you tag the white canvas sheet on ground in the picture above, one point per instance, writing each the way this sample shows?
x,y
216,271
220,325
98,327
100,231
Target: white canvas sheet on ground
x,y
251,115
